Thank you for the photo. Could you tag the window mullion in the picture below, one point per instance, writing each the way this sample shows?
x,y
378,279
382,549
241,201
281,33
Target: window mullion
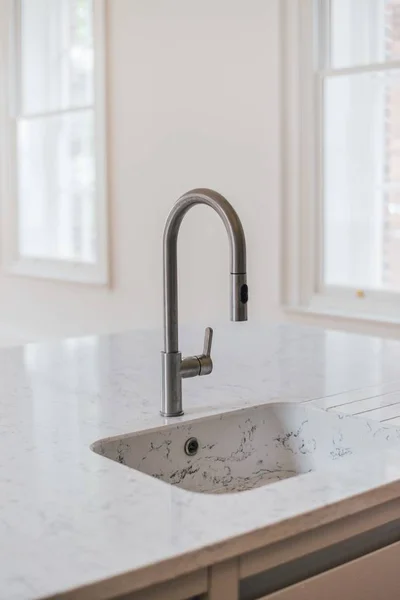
x,y
14,59
323,49
323,34
319,180
54,113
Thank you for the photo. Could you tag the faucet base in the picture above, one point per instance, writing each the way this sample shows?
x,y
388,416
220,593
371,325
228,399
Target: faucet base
x,y
163,414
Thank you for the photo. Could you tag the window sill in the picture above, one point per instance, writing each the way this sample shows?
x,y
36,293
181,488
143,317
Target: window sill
x,y
348,317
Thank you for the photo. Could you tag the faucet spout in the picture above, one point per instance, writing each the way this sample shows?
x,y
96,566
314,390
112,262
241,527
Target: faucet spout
x,y
173,367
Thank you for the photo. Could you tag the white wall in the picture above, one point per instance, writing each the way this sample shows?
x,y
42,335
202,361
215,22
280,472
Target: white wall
x,y
193,101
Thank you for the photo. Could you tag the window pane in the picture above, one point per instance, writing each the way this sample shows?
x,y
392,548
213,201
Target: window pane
x,y
362,180
56,54
364,31
56,183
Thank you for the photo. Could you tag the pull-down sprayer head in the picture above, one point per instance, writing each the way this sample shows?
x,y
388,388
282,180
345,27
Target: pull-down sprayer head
x,y
239,296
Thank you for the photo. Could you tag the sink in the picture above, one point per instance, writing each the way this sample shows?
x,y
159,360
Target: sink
x,y
242,449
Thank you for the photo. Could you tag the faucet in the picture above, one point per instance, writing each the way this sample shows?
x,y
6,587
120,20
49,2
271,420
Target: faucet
x,y
174,368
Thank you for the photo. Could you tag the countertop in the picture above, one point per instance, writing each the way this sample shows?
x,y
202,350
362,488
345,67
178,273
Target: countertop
x,y
70,518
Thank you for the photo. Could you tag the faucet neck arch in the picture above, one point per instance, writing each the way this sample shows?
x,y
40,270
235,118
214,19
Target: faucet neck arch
x,y
237,244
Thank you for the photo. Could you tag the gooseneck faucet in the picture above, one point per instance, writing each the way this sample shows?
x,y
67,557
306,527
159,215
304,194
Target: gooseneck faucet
x,y
174,368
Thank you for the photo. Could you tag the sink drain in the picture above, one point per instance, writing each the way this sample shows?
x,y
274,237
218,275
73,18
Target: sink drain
x,y
191,446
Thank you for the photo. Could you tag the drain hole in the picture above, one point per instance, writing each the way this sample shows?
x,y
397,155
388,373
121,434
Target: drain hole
x,y
191,446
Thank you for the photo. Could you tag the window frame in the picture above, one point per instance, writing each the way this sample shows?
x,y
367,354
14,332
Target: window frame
x,y
302,287
11,261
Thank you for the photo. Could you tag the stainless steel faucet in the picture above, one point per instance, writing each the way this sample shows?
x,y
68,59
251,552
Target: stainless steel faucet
x,y
174,368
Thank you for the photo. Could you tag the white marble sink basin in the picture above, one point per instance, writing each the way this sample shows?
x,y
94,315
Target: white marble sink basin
x,y
243,449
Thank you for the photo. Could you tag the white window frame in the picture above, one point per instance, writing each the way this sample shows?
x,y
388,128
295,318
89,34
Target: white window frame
x,y
303,291
12,262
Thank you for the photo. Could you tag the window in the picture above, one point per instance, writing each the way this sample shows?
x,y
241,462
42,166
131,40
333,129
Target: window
x,y
342,82
53,219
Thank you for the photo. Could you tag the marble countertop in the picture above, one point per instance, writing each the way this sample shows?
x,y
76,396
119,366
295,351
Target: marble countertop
x,y
70,518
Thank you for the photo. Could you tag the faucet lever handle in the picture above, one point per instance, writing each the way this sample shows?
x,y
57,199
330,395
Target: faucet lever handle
x,y
205,360
208,338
